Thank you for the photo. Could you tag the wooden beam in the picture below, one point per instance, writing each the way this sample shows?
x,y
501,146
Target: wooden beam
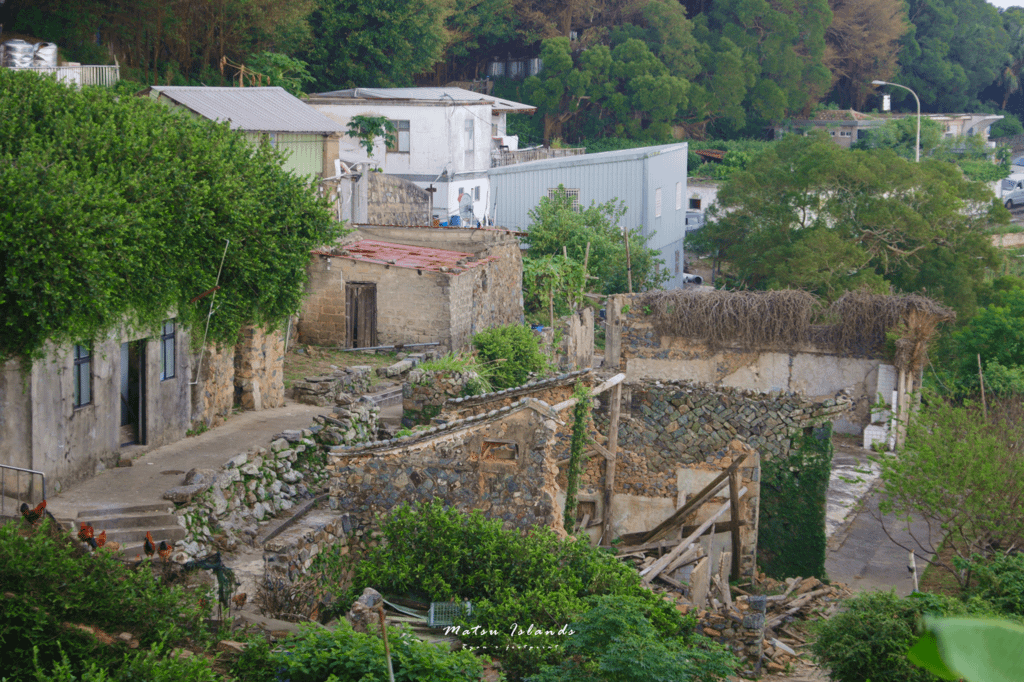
x,y
719,528
700,498
614,381
651,572
737,518
611,453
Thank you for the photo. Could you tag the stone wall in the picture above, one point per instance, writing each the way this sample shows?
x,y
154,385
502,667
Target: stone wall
x,y
290,554
424,393
325,390
499,462
552,391
635,346
213,397
259,369
322,320
394,201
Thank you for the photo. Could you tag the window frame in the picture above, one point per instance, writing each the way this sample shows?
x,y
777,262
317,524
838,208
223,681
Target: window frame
x,y
572,194
82,358
168,338
403,137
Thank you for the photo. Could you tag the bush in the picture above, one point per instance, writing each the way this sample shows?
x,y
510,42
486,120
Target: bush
x,y
870,639
511,353
1000,581
537,578
615,642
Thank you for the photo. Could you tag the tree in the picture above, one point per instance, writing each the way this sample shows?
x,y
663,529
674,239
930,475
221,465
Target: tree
x,y
862,45
900,135
556,225
115,210
559,89
808,214
375,44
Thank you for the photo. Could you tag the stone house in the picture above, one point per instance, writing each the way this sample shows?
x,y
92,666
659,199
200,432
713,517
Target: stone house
x,y
846,126
390,285
87,406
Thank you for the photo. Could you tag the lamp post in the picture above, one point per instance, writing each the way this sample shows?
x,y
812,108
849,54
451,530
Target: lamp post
x,y
917,148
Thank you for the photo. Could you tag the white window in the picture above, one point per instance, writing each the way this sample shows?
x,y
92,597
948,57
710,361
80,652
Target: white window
x,y
401,134
572,194
679,195
82,376
470,141
657,203
167,351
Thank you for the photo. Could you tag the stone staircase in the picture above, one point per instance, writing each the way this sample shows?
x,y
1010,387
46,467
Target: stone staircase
x,y
128,525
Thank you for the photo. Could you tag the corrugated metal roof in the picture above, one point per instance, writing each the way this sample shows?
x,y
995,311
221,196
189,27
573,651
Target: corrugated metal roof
x,y
267,109
588,159
404,256
455,95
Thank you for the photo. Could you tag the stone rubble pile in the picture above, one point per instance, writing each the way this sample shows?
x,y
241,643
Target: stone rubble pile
x,y
353,421
325,390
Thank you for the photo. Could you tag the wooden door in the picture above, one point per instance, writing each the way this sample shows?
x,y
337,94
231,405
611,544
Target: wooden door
x,y
360,314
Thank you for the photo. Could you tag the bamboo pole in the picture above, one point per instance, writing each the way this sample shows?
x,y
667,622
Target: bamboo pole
x,y
737,515
609,467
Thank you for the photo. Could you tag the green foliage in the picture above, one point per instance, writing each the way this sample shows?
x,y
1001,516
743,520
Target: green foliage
x,y
555,225
282,71
552,278
510,353
367,129
791,533
357,44
115,211
462,363
342,654
806,214
1006,126
580,437
996,333
970,649
533,578
900,135
960,472
870,638
54,582
615,642
999,580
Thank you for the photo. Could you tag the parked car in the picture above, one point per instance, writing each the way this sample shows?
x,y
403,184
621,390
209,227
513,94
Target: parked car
x,y
1012,193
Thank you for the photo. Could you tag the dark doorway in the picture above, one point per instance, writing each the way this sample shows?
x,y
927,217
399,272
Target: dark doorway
x,y
133,392
360,315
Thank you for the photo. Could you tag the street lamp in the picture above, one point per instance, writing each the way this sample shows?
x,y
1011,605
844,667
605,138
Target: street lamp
x,y
917,149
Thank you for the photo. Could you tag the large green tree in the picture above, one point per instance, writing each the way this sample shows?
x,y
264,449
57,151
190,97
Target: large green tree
x,y
382,43
808,214
114,210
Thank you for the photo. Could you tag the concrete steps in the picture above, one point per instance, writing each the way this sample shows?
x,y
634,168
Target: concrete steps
x,y
128,525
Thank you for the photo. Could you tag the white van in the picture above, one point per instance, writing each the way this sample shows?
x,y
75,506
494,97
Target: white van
x,y
1012,192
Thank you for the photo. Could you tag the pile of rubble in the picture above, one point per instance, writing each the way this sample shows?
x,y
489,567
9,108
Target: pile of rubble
x,y
353,421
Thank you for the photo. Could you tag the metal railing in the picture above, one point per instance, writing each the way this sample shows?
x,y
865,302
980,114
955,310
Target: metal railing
x,y
18,471
81,75
505,157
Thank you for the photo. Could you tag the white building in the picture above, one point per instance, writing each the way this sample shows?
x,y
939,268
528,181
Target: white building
x,y
443,138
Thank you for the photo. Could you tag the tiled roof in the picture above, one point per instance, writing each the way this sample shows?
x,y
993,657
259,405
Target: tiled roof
x,y
716,154
412,257
256,109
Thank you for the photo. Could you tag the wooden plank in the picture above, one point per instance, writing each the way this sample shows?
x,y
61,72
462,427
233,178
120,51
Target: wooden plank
x,y
700,498
690,555
700,582
657,567
614,381
737,516
350,319
612,452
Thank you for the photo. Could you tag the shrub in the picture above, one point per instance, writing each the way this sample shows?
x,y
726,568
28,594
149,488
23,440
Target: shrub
x,y
1000,581
510,353
870,639
615,642
536,578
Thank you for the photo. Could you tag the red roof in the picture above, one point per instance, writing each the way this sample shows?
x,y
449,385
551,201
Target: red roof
x,y
404,256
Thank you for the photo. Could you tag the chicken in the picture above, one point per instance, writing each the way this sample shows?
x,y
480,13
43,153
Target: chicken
x,y
164,550
33,515
85,534
101,539
149,547
239,599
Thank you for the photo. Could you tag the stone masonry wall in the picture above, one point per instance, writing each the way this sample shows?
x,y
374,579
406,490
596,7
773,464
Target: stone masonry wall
x,y
259,369
322,320
663,427
394,201
498,462
324,390
424,392
213,397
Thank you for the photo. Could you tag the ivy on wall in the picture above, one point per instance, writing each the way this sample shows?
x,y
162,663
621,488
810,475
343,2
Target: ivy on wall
x,y
791,536
115,210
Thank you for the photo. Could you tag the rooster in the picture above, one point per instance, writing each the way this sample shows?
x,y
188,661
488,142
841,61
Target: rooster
x,y
111,546
164,550
149,547
33,515
85,534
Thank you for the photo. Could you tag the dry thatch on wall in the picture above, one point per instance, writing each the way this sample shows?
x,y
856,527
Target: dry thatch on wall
x,y
855,324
